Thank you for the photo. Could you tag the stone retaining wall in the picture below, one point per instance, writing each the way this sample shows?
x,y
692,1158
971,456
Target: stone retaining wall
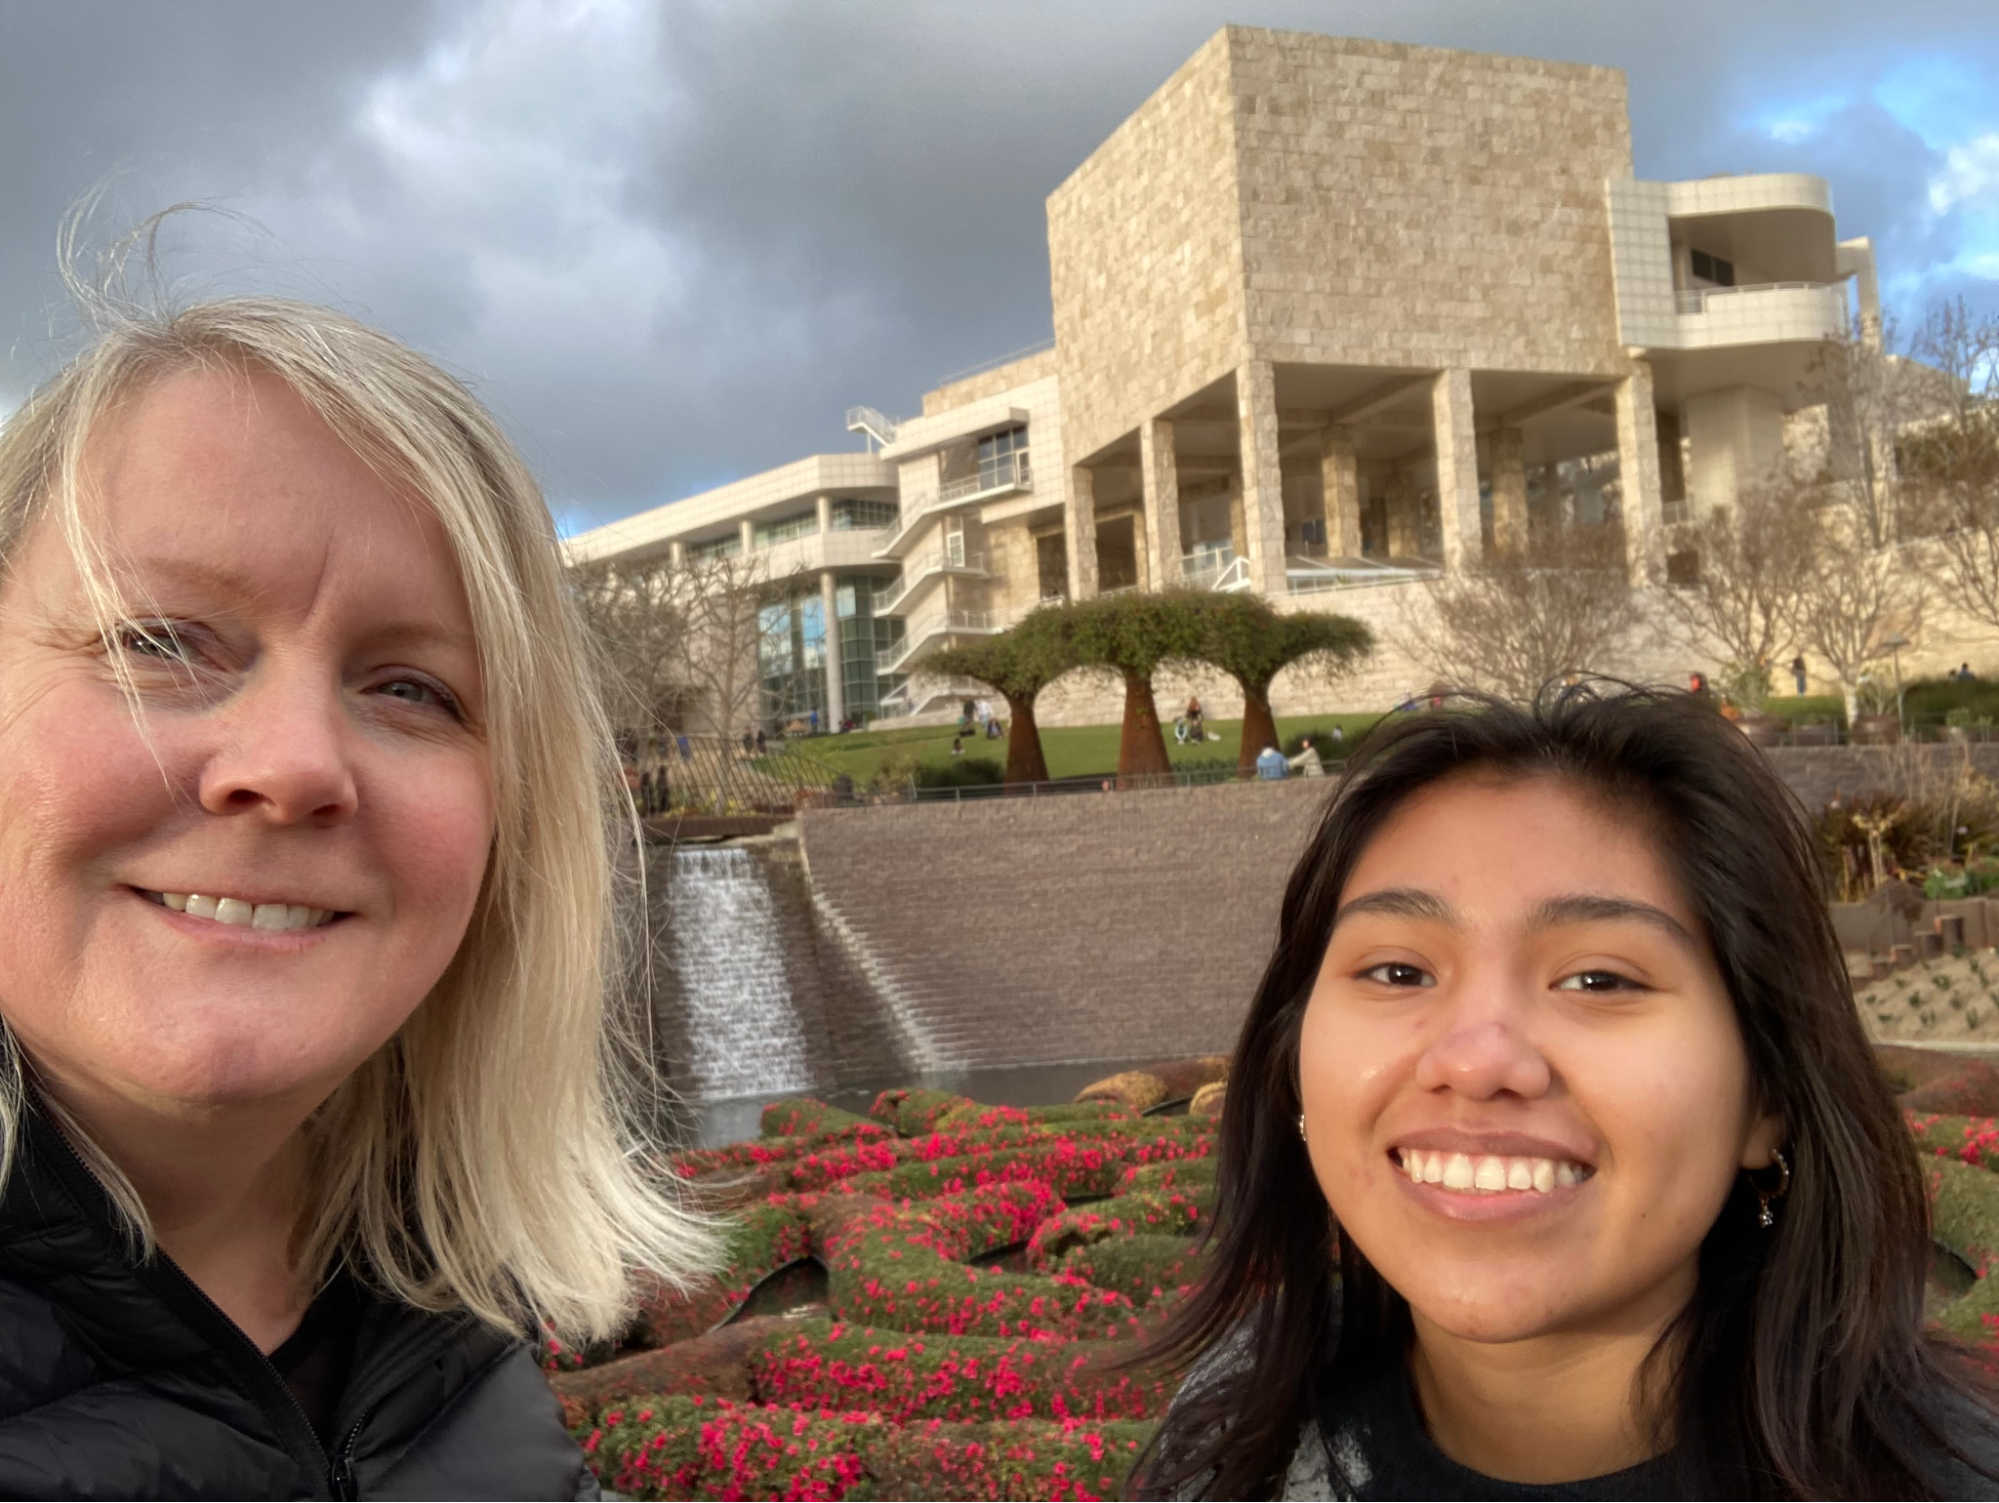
x,y
1014,931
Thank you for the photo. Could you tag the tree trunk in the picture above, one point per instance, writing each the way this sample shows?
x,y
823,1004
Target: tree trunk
x,y
1259,728
1852,706
1141,748
1025,762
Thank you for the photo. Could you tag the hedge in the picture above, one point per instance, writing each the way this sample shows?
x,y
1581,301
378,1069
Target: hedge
x,y
684,1447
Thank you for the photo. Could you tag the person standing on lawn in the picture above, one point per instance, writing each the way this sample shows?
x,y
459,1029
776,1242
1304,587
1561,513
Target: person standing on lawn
x,y
310,1121
1555,1162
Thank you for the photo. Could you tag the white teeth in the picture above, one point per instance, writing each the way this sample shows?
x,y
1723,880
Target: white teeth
x,y
235,911
1489,1174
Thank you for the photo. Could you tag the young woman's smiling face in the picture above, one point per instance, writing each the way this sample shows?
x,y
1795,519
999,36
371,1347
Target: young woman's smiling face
x,y
1526,1094
308,758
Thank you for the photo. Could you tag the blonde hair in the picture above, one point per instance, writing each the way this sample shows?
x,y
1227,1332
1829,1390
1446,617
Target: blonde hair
x,y
486,1157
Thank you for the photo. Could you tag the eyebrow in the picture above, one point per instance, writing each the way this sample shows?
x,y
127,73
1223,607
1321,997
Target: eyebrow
x,y
226,582
1410,902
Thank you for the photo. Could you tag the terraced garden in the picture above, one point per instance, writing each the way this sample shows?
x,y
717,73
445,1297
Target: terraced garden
x,y
941,1299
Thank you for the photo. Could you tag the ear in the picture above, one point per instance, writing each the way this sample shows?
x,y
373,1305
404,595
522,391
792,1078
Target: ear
x,y
1766,1136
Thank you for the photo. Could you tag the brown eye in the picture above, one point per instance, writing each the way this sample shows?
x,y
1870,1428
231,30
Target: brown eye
x,y
1596,981
1395,973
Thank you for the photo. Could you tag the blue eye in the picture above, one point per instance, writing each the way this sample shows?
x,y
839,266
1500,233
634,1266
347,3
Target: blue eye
x,y
1395,973
416,691
152,639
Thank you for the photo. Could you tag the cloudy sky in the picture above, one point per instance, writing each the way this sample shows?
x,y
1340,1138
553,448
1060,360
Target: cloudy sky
x,y
672,242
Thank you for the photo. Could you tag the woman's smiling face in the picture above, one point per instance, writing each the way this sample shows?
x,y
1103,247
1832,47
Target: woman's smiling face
x,y
1525,1090
307,763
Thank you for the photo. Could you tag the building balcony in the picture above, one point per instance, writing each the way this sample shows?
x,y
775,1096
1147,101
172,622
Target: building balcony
x,y
1009,476
1766,313
921,571
935,628
1201,568
815,552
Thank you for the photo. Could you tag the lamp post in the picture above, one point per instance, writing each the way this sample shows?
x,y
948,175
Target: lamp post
x,y
1895,642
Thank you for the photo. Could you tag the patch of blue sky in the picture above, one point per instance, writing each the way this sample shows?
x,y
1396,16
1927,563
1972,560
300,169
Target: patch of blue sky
x,y
1801,120
1945,100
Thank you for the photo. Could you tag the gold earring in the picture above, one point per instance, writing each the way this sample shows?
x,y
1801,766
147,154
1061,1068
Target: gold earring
x,y
1765,1217
1301,1129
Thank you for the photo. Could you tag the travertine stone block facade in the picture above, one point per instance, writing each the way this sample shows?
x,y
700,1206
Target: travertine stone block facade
x,y
1329,314
1339,483
1262,474
1160,472
1457,469
1509,490
1638,461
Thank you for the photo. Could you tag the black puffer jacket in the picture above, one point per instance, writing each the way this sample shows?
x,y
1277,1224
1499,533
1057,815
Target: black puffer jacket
x,y
122,1380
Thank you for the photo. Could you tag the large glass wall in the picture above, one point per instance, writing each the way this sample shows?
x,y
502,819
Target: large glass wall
x,y
791,658
864,639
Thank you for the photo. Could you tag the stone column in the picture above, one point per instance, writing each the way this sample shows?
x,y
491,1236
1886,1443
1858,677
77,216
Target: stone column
x,y
836,686
746,530
1262,475
1642,508
1457,469
676,554
1079,526
1405,518
1159,474
1509,490
1339,474
825,508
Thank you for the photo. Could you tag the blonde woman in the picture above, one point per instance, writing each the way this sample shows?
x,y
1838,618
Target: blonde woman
x,y
308,1107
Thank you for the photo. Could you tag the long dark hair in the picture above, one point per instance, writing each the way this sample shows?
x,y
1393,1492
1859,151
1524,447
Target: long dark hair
x,y
1800,1368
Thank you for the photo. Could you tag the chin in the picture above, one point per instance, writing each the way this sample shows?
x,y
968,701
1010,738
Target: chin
x,y
1486,1310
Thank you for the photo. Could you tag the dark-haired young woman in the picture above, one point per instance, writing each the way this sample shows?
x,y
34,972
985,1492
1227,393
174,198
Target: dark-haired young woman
x,y
1555,1163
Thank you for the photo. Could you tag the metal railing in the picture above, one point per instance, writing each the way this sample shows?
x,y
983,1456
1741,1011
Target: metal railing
x,y
1304,576
1011,472
921,568
1697,299
994,364
878,426
941,624
1107,782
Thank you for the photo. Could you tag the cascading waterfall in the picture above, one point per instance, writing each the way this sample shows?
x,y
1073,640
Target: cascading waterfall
x,y
743,1030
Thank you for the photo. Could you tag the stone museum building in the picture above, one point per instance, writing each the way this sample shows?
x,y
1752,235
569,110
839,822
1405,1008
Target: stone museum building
x,y
1331,317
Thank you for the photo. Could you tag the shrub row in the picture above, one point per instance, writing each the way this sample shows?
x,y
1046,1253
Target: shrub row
x,y
683,1447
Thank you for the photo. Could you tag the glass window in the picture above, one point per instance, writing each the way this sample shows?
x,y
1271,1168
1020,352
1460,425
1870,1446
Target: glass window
x,y
863,516
1002,458
1713,269
803,524
727,547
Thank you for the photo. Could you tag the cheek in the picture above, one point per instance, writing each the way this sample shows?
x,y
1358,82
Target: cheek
x,y
1348,1067
434,832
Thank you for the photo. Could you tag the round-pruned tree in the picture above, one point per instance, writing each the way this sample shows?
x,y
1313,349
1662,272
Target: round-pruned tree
x,y
1252,643
1018,664
1134,635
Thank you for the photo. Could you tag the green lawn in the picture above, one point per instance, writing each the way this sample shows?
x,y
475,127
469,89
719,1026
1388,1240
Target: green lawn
x,y
1072,751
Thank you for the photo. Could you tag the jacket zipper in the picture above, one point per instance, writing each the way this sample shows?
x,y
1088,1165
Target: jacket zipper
x,y
339,1476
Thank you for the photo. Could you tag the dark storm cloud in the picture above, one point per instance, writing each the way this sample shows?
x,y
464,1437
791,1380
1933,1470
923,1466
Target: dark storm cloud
x,y
673,243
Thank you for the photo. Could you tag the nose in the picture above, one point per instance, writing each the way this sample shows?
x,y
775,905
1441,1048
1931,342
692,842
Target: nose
x,y
1481,1056
284,752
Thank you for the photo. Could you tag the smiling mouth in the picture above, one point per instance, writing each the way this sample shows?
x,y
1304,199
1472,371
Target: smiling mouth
x,y
240,913
1489,1174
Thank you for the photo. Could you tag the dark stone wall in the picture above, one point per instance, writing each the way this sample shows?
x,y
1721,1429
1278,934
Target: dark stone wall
x,y
1816,773
1086,926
